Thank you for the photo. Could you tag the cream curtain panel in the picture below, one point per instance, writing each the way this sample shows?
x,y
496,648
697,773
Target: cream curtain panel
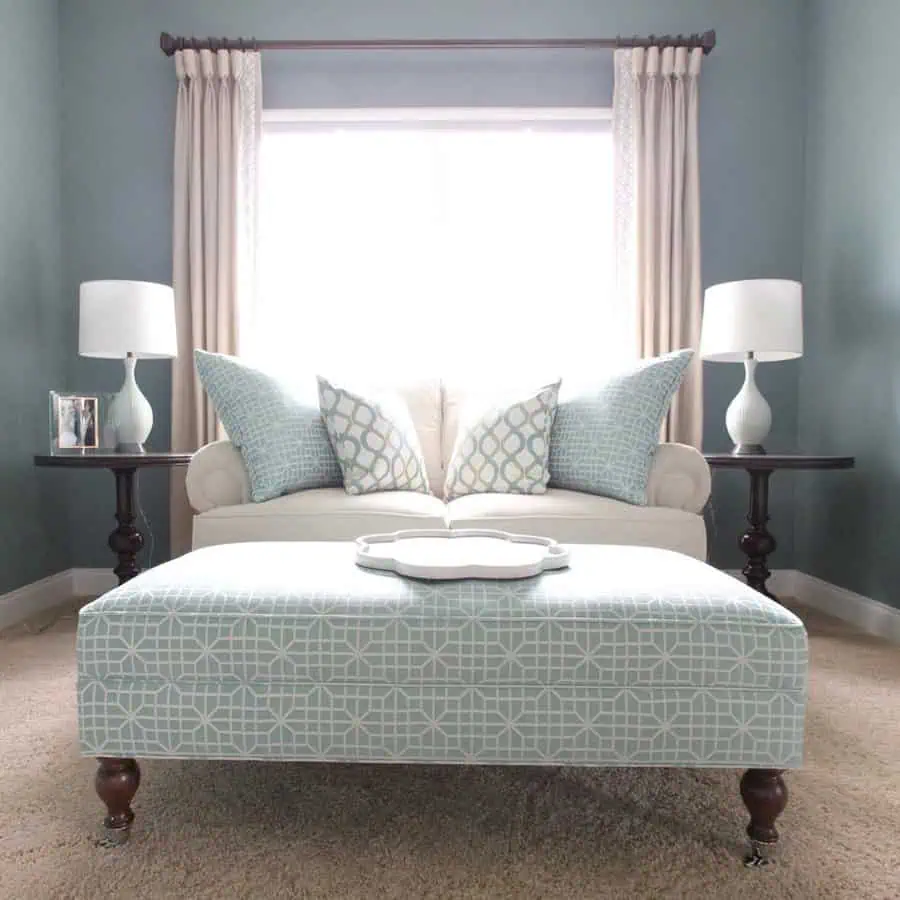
x,y
655,116
218,124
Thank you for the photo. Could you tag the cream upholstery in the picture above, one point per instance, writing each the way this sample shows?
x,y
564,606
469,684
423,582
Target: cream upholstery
x,y
324,514
679,486
575,518
423,398
679,478
217,477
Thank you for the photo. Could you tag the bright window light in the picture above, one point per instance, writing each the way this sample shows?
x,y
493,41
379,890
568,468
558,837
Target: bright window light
x,y
457,244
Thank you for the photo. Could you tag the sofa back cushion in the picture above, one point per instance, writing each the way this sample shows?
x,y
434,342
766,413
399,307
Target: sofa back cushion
x,y
276,424
423,400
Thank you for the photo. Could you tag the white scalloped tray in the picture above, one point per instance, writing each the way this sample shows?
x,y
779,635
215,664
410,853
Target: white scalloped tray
x,y
464,553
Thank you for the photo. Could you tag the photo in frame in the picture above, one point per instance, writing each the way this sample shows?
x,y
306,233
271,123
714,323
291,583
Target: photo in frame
x,y
74,422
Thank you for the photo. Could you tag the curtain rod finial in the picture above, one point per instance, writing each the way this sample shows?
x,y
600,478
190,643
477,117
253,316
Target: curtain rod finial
x,y
708,40
167,43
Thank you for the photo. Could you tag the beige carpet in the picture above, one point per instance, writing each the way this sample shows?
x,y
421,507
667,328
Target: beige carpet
x,y
248,830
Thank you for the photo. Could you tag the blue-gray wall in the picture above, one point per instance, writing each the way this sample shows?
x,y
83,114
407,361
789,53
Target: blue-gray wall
x,y
848,524
35,340
118,102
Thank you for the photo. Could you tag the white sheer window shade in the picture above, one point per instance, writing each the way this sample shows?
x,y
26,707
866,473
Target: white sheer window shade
x,y
403,243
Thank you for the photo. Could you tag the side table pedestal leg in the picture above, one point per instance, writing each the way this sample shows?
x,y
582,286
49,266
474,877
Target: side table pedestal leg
x,y
756,542
126,541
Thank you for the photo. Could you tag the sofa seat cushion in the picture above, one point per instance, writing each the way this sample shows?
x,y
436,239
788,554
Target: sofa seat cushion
x,y
575,518
326,514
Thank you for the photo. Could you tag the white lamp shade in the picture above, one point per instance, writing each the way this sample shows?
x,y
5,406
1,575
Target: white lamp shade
x,y
763,316
116,318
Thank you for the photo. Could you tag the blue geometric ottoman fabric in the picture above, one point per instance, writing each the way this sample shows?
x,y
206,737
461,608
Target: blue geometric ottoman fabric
x,y
277,426
604,439
632,656
375,441
504,448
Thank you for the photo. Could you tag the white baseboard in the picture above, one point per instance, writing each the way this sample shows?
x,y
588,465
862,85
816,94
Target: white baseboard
x,y
92,582
34,598
39,596
868,615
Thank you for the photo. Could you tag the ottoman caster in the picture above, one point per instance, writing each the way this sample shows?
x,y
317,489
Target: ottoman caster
x,y
765,796
114,838
117,782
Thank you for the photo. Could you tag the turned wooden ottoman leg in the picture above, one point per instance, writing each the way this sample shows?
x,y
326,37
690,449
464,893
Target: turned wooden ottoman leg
x,y
765,796
117,782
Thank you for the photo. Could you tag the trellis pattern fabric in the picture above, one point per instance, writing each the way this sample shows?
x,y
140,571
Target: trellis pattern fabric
x,y
277,427
633,656
374,439
603,440
504,449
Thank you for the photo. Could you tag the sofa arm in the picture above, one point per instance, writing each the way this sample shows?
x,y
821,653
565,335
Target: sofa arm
x,y
217,476
679,478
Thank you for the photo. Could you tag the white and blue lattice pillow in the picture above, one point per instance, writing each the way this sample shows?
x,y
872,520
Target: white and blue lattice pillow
x,y
374,439
604,438
504,448
276,426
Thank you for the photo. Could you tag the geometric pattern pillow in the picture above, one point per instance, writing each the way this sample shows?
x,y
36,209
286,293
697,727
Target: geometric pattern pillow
x,y
504,449
276,426
374,439
603,441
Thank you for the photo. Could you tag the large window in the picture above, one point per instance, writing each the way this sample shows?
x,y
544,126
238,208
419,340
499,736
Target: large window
x,y
403,243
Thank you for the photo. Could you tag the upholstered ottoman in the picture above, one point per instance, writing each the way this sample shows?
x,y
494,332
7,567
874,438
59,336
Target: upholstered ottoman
x,y
282,651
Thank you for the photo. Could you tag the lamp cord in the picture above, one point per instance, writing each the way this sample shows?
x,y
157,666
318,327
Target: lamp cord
x,y
147,527
710,516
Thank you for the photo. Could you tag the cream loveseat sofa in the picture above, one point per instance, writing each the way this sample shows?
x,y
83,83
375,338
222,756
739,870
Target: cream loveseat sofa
x,y
679,486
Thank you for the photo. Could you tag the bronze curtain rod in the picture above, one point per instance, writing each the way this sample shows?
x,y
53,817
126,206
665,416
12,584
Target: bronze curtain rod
x,y
706,41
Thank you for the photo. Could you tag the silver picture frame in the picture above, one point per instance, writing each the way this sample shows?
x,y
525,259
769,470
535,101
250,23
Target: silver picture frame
x,y
75,422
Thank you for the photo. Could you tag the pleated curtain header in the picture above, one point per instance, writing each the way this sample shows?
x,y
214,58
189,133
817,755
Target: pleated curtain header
x,y
208,64
668,62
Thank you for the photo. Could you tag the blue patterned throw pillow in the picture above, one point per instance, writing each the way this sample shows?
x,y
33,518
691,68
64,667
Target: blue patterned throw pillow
x,y
603,440
505,448
374,439
277,427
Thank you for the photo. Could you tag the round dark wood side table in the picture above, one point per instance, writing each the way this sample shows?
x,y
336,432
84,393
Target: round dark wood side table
x,y
757,542
126,540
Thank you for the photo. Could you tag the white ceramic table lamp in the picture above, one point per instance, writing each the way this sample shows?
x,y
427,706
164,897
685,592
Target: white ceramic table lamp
x,y
751,322
128,320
